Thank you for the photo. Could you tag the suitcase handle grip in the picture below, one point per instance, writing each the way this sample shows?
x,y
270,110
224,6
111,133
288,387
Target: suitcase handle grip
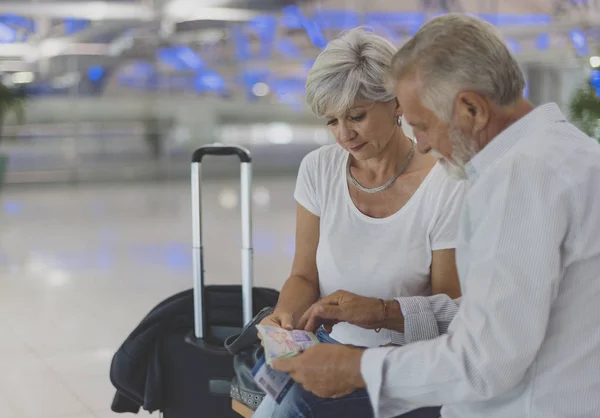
x,y
221,150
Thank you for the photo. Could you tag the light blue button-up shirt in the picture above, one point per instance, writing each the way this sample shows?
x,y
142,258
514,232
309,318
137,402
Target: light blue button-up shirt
x,y
524,340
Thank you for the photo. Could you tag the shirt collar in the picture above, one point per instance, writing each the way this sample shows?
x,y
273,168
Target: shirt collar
x,y
537,119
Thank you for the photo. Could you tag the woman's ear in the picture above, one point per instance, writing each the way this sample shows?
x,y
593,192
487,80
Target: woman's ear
x,y
407,130
398,108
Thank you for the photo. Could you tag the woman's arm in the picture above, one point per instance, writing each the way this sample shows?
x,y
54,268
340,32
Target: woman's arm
x,y
444,276
414,317
409,318
301,289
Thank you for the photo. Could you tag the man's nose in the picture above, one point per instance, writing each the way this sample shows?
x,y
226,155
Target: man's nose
x,y
423,146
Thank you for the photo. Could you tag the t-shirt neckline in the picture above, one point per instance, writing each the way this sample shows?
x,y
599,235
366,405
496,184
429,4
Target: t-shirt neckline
x,y
393,216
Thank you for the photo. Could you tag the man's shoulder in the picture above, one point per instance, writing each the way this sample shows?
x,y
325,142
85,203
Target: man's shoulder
x,y
564,153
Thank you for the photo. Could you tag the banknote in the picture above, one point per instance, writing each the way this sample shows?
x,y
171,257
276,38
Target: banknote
x,y
279,342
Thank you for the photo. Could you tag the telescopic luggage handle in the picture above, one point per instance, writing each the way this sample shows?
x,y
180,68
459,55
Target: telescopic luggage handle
x,y
200,325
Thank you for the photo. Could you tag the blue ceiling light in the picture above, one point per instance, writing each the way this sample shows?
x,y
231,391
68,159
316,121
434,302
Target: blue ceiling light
x,y
209,80
339,20
289,85
139,74
293,18
8,34
286,47
315,34
73,26
513,46
251,77
506,19
595,79
169,57
397,20
95,73
17,21
389,24
241,40
180,58
265,28
542,42
189,58
579,41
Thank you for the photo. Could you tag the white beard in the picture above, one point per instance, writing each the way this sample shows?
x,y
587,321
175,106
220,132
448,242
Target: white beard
x,y
463,149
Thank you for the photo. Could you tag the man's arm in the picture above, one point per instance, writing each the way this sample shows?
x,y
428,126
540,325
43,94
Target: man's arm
x,y
511,283
422,317
425,318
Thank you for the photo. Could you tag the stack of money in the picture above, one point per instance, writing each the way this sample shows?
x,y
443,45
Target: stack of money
x,y
279,342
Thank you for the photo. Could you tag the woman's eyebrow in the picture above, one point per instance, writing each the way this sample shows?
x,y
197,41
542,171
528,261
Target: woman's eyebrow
x,y
357,107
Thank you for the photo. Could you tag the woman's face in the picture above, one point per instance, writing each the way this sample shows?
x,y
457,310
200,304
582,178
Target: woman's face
x,y
366,128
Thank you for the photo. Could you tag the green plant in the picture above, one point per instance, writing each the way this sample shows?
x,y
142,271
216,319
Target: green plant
x,y
11,100
584,110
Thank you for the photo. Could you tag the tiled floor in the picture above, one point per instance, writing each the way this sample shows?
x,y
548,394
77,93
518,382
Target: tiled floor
x,y
80,266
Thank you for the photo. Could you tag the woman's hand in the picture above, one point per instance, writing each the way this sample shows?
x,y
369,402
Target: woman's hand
x,y
343,306
278,319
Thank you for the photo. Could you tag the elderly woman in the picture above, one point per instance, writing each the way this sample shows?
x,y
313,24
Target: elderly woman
x,y
375,219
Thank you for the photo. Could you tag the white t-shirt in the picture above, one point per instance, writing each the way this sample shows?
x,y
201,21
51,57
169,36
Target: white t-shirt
x,y
383,258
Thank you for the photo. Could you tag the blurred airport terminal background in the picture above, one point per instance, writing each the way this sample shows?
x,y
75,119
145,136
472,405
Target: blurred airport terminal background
x,y
95,224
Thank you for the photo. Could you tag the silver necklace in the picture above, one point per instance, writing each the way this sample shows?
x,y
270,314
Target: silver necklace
x,y
387,184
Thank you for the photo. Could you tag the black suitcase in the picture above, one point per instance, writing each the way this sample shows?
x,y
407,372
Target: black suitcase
x,y
197,377
164,364
157,370
198,373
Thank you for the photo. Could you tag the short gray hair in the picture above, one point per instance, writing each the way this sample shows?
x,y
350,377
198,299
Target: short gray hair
x,y
455,53
352,67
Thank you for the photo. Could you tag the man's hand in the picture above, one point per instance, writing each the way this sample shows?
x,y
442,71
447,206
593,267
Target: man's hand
x,y
327,370
343,306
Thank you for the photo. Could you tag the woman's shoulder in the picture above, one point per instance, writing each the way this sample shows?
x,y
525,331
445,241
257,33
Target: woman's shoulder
x,y
325,159
319,174
444,187
326,154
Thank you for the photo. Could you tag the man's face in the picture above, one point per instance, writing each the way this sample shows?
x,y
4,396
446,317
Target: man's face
x,y
453,146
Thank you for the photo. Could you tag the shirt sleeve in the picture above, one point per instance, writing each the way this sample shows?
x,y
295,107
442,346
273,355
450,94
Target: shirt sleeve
x,y
425,317
446,217
512,277
308,191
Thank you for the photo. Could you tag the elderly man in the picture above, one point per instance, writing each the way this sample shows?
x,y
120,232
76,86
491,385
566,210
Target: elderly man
x,y
524,341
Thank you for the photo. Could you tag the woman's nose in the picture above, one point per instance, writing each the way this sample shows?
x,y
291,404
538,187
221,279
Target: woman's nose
x,y
345,133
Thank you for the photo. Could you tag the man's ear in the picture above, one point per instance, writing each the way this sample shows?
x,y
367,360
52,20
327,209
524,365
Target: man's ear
x,y
473,111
